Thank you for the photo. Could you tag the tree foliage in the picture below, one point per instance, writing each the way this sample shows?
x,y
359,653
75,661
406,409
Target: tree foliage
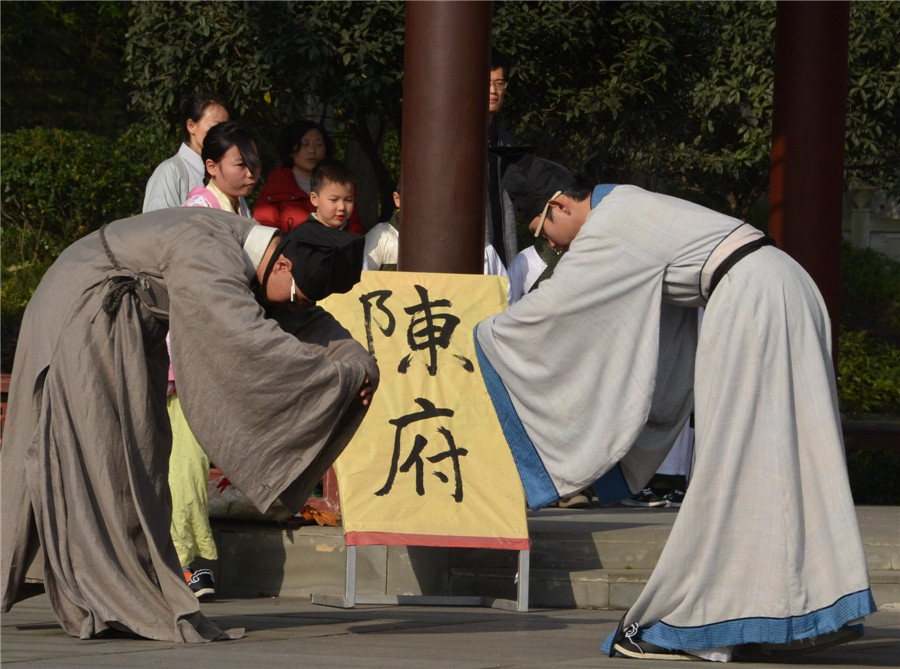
x,y
59,185
666,95
676,96
275,62
62,65
873,96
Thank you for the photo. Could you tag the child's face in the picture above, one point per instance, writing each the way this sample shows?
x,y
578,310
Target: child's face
x,y
334,203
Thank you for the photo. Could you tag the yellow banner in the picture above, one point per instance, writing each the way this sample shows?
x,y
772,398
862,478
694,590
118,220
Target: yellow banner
x,y
429,466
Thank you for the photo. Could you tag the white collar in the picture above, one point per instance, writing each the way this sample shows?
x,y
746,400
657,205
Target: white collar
x,y
191,157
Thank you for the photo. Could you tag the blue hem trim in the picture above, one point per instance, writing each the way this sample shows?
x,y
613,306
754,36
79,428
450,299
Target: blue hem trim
x,y
539,488
611,487
759,630
600,192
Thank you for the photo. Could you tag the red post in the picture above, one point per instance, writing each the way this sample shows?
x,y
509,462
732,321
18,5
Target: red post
x,y
807,180
443,156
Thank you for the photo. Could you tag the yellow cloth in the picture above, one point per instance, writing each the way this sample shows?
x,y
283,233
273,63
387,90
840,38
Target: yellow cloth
x,y
189,484
429,466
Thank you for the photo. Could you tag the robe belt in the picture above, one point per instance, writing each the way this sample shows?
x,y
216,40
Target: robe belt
x,y
142,286
741,242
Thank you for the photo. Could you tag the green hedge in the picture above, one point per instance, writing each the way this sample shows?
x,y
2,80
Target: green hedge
x,y
869,346
57,186
868,375
870,294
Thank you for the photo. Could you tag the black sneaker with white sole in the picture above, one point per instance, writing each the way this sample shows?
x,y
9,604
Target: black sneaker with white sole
x,y
674,498
646,498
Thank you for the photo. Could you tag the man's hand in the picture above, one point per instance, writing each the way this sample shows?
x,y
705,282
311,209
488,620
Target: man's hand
x,y
366,391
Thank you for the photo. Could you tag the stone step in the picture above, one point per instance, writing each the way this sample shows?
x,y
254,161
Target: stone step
x,y
594,558
607,589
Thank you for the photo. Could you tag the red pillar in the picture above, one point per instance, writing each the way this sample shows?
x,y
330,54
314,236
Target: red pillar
x,y
443,156
807,180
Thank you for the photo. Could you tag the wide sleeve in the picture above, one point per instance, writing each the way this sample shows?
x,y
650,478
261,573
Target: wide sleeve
x,y
578,358
319,331
673,396
270,409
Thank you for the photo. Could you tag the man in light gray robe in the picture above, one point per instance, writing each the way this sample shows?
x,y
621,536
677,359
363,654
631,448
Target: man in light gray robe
x,y
86,506
594,374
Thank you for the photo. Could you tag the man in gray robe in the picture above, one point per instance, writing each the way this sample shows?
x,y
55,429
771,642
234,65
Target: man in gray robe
x,y
594,374
273,400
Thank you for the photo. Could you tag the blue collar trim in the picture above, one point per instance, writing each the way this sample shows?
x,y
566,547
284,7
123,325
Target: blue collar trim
x,y
600,192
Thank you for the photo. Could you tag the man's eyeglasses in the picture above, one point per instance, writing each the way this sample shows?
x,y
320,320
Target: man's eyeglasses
x,y
540,225
499,84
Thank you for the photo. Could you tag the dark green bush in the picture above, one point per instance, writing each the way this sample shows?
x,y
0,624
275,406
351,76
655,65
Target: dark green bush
x,y
874,477
869,346
870,294
58,186
868,375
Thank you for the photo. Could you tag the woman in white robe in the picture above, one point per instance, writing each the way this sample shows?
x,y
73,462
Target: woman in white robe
x,y
177,176
86,506
594,374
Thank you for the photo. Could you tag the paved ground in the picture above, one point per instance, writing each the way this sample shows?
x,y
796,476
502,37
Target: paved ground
x,y
286,632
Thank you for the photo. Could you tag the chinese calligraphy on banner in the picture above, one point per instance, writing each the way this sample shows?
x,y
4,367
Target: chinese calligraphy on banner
x,y
429,466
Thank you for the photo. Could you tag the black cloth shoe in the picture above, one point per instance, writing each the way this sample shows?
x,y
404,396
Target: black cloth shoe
x,y
202,583
644,650
626,644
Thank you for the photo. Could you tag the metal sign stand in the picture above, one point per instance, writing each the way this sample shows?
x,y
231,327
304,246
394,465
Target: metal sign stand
x,y
350,598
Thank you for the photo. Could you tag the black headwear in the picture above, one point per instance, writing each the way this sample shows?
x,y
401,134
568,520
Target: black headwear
x,y
323,260
532,181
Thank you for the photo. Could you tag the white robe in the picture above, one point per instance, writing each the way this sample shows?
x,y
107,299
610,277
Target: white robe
x,y
594,375
524,270
173,179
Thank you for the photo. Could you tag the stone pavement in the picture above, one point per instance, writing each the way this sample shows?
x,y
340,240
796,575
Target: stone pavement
x,y
291,632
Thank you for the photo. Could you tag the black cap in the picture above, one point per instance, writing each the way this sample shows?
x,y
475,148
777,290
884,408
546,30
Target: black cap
x,y
324,260
532,181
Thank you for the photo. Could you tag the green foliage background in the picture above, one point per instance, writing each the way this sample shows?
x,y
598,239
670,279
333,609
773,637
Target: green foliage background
x,y
869,346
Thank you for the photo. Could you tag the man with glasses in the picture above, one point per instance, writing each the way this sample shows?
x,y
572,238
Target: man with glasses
x,y
594,374
501,215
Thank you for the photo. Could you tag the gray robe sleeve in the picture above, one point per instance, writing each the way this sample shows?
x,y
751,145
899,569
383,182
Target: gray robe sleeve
x,y
271,408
